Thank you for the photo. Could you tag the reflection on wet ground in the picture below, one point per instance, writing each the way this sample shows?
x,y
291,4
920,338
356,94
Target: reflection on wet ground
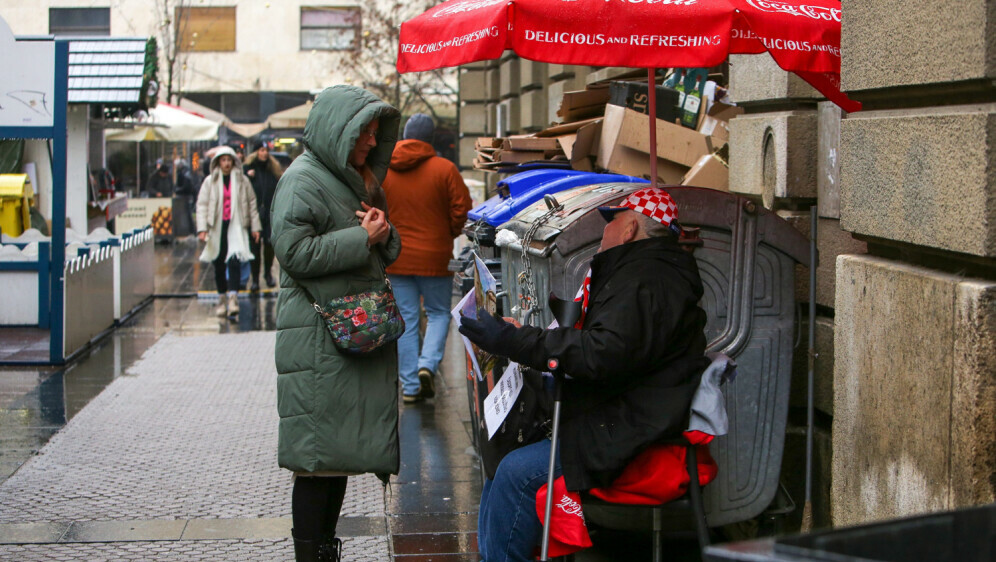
x,y
35,402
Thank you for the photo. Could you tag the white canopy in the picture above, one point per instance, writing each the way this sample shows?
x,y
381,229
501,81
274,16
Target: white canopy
x,y
293,118
167,123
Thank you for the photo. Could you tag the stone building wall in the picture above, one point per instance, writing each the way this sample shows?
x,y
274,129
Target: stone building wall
x,y
915,335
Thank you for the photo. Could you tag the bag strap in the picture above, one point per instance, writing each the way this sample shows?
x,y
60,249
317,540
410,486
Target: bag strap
x,y
321,310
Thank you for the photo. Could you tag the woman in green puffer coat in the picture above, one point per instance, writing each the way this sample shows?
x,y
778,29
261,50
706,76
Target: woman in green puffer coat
x,y
338,413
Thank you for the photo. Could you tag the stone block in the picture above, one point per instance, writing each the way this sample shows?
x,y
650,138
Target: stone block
x,y
531,74
922,176
608,73
757,78
774,155
479,65
913,391
508,82
509,117
533,111
467,151
899,43
472,85
491,112
556,72
823,367
973,420
831,241
828,159
473,119
492,84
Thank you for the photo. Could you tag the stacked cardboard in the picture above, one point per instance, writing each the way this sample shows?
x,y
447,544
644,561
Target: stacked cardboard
x,y
570,144
684,156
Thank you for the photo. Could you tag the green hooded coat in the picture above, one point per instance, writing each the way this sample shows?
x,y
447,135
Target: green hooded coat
x,y
338,413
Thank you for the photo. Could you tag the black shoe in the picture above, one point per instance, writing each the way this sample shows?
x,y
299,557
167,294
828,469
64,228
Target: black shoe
x,y
270,281
330,550
306,551
428,386
412,398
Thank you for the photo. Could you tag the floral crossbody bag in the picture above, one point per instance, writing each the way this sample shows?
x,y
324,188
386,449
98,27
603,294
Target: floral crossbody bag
x,y
363,322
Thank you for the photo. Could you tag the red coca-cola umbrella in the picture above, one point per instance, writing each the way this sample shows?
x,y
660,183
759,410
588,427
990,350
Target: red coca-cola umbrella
x,y
802,36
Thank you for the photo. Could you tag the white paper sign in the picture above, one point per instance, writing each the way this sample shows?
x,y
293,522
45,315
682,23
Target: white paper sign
x,y
501,399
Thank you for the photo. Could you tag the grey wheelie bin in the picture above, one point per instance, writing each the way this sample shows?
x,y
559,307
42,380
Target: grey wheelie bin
x,y
746,257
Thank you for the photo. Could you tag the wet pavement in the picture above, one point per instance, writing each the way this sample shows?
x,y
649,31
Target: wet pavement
x,y
160,442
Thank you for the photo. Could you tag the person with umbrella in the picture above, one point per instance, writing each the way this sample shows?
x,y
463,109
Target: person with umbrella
x,y
634,361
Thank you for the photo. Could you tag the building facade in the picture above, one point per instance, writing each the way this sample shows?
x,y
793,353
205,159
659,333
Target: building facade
x,y
246,59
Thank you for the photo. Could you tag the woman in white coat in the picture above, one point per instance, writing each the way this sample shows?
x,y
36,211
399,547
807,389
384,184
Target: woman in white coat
x,y
226,213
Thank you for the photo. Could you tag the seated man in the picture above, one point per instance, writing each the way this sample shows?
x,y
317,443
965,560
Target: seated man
x,y
633,367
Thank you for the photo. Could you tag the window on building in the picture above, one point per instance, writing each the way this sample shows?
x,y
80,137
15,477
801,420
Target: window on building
x,y
330,29
205,29
79,21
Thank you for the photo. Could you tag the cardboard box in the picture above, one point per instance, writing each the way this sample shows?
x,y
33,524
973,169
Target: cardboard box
x,y
709,171
627,128
716,123
632,162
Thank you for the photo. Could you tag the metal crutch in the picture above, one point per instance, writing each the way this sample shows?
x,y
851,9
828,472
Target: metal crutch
x,y
566,313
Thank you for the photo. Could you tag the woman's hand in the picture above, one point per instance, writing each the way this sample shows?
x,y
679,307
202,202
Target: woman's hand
x,y
375,222
255,237
202,236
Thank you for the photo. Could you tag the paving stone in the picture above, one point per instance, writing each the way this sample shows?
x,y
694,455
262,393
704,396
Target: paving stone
x,y
190,433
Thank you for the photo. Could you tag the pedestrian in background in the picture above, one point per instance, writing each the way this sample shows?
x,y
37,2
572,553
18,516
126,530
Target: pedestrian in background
x,y
160,183
427,201
226,213
186,190
264,171
338,413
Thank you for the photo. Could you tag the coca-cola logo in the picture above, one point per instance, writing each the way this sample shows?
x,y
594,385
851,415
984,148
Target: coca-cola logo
x,y
672,2
569,506
815,12
466,6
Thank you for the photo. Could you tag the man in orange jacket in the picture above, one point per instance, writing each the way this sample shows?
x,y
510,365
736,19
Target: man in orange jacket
x,y
427,202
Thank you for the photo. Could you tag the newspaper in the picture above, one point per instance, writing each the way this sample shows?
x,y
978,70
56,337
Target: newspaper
x,y
483,297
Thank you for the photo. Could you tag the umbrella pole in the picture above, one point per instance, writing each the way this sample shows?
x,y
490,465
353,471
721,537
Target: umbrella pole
x,y
652,91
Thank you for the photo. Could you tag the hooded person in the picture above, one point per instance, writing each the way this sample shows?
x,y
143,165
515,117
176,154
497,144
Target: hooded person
x,y
226,213
338,413
428,203
264,171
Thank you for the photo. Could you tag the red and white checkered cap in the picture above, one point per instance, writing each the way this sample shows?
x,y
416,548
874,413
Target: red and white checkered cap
x,y
651,201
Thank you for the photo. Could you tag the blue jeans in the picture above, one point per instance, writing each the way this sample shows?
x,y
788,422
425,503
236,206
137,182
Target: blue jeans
x,y
435,293
508,529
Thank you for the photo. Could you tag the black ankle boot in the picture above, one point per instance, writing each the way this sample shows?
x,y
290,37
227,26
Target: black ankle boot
x,y
330,550
305,550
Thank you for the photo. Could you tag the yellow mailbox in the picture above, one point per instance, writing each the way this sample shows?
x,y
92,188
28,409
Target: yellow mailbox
x,y
16,197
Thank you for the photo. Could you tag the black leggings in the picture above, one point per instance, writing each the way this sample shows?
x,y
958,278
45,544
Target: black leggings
x,y
267,260
315,506
233,266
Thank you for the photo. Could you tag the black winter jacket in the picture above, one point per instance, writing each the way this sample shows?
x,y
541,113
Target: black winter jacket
x,y
633,366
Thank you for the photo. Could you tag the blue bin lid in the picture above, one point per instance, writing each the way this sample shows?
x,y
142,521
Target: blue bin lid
x,y
524,191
